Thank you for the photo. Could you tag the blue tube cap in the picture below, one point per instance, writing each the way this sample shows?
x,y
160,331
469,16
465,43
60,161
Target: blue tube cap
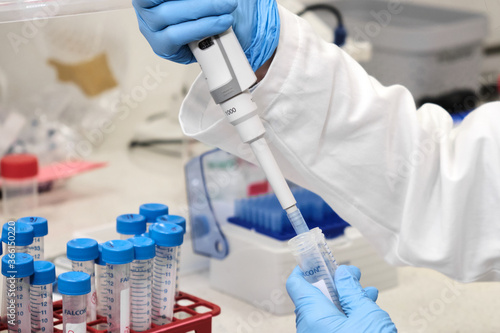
x,y
118,252
39,224
167,234
99,260
175,219
44,273
144,247
18,233
17,265
82,249
131,224
73,283
151,211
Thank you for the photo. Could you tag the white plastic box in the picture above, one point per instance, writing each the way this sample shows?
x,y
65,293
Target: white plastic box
x,y
429,50
257,267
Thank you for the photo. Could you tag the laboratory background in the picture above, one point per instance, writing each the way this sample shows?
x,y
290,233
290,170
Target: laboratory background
x,y
93,154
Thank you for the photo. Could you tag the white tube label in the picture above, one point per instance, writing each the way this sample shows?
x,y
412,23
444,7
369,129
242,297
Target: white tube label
x,y
76,328
125,311
321,285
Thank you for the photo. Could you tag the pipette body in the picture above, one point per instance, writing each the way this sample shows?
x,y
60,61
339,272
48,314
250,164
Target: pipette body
x,y
229,77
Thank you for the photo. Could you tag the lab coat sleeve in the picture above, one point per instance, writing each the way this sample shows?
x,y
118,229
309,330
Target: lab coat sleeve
x,y
422,192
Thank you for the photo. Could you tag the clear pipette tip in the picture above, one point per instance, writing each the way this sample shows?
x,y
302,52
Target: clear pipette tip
x,y
297,220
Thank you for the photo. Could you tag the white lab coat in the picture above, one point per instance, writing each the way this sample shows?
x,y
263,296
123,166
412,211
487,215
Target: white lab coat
x,y
424,193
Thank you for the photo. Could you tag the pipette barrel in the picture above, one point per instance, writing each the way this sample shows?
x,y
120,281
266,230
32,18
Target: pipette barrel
x,y
42,319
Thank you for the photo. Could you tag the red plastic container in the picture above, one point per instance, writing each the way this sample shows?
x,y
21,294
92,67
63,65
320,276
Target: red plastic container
x,y
192,314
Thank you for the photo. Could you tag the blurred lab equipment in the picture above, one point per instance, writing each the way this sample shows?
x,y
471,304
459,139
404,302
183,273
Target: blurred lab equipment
x,y
141,279
17,269
19,184
74,286
430,50
180,221
168,237
118,254
41,307
40,230
129,225
82,252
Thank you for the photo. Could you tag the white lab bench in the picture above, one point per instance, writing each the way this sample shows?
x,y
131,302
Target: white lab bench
x,y
424,300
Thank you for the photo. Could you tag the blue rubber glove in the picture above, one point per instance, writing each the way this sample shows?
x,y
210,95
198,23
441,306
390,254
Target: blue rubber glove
x,y
169,25
316,313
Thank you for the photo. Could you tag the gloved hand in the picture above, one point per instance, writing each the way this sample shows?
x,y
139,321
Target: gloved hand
x,y
316,313
169,25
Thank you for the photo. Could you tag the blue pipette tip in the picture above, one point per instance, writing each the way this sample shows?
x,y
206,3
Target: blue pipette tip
x,y
44,273
167,234
39,224
22,236
175,219
118,252
131,224
151,211
73,283
17,265
144,247
82,249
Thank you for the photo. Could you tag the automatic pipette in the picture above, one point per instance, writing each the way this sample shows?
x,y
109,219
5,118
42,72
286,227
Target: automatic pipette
x,y
229,77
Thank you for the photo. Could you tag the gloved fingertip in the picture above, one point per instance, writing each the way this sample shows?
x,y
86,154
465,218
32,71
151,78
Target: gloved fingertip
x,y
343,272
372,293
345,279
354,271
294,280
226,20
232,5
